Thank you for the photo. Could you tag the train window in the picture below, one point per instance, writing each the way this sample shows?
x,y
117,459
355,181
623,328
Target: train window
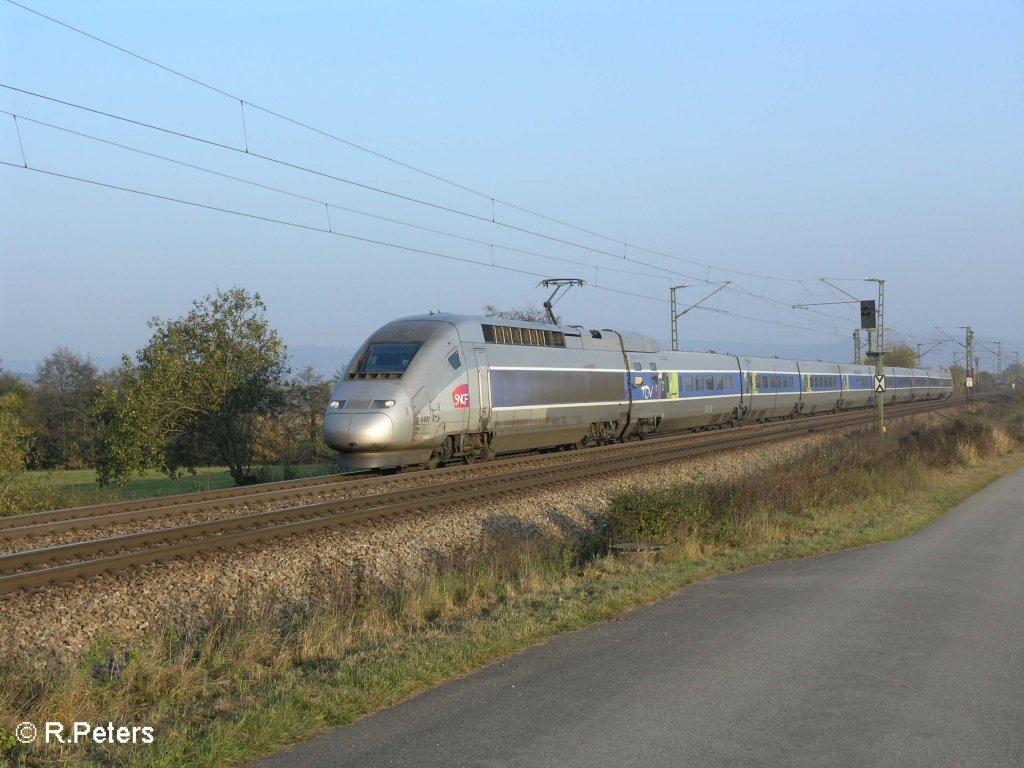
x,y
654,367
700,383
719,382
454,361
637,367
543,387
688,383
710,383
533,337
386,358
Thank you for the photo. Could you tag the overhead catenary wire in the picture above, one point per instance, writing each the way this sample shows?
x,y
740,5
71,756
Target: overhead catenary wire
x,y
372,241
391,159
320,201
243,103
293,166
299,225
384,156
313,171
332,177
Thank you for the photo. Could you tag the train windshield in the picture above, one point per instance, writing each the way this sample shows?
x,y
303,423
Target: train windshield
x,y
386,358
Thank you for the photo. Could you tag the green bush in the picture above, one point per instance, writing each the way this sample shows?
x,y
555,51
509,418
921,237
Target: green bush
x,y
845,466
679,511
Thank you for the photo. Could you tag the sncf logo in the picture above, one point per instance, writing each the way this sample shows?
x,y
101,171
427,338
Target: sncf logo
x,y
460,396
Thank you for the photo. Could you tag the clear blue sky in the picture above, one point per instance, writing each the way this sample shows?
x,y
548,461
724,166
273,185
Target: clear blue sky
x,y
786,140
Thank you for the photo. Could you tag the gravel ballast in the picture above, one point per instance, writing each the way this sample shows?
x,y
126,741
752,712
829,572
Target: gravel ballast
x,y
57,625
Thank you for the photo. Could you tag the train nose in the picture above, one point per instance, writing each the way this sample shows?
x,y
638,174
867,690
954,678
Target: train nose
x,y
358,431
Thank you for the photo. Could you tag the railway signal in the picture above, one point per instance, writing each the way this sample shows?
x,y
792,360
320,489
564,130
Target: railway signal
x,y
879,321
868,316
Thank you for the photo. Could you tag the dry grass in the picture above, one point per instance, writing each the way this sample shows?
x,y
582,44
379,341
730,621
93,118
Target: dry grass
x,y
256,678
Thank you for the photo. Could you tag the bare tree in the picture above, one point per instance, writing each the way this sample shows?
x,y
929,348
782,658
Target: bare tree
x,y
529,313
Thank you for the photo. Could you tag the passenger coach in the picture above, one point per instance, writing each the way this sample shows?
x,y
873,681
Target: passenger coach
x,y
433,388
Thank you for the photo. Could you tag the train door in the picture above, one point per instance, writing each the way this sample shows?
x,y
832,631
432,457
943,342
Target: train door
x,y
643,383
753,401
480,393
455,413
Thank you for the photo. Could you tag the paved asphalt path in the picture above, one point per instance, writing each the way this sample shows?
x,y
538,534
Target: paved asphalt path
x,y
904,654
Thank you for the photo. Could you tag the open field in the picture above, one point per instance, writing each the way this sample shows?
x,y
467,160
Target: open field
x,y
74,488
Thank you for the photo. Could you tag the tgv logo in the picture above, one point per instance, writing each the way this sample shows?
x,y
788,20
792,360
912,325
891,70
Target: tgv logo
x,y
460,396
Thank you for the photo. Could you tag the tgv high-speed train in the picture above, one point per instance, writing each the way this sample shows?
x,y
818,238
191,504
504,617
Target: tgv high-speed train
x,y
430,389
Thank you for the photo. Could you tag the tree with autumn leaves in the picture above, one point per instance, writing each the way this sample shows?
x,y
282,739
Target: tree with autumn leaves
x,y
199,387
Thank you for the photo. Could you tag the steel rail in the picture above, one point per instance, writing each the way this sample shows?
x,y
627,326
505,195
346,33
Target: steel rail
x,y
177,500
82,518
63,563
191,539
77,518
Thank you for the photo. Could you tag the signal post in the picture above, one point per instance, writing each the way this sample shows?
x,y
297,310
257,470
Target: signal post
x,y
870,319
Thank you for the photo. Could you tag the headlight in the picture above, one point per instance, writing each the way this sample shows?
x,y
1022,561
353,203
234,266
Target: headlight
x,y
383,404
336,405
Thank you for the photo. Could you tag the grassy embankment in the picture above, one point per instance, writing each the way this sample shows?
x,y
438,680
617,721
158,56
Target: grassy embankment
x,y
39,490
255,681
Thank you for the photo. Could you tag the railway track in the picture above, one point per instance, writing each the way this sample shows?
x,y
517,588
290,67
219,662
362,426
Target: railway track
x,y
402,494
